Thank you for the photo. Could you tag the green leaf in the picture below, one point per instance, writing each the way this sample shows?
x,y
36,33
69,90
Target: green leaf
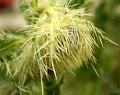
x,y
34,3
75,3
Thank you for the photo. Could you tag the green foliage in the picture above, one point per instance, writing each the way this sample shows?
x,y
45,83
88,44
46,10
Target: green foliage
x,y
75,4
34,3
8,44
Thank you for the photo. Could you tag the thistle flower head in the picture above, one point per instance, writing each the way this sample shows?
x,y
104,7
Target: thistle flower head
x,y
56,39
60,39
